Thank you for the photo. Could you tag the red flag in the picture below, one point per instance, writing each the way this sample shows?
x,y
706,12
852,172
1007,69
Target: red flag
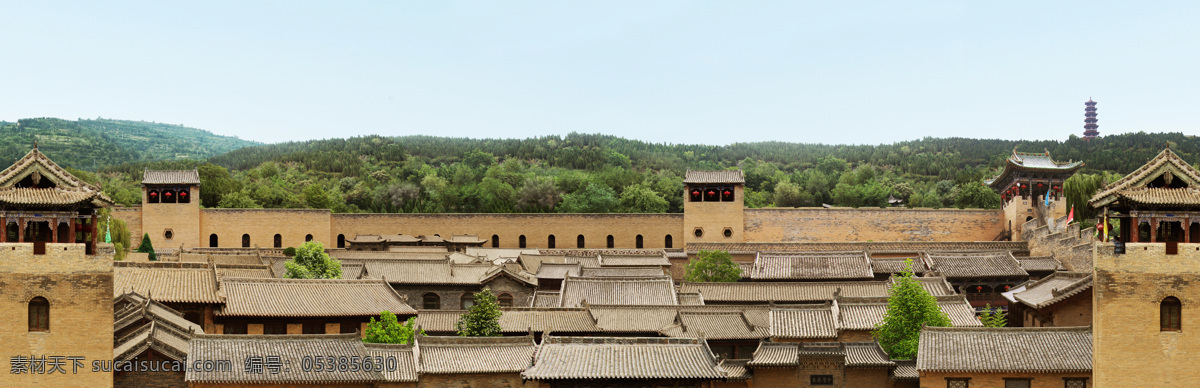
x,y
1071,216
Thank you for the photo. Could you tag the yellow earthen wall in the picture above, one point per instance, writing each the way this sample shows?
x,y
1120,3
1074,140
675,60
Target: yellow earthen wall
x,y
996,380
262,224
508,227
1126,299
871,224
79,289
714,217
180,218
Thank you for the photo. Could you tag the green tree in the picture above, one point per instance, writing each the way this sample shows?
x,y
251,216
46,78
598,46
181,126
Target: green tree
x,y
993,317
215,183
311,262
595,198
976,195
147,247
238,200
316,197
119,231
787,194
712,266
640,198
538,196
388,330
910,307
483,319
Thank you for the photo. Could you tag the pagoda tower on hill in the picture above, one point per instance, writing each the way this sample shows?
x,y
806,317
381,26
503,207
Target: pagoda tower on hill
x,y
1089,121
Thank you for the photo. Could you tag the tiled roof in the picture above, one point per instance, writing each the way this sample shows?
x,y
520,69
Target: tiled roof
x,y
221,258
803,322
735,370
425,271
1186,196
465,239
866,354
1026,350
291,349
605,272
546,299
615,260
867,246
1039,263
865,313
1054,288
444,355
352,270
1165,161
623,358
1031,161
716,325
812,266
406,363
775,354
245,271
517,320
68,190
49,196
141,308
895,265
690,298
711,176
936,286
163,338
390,255
905,370
557,271
763,292
619,291
585,261
533,262
170,285
175,177
958,265
256,297
659,319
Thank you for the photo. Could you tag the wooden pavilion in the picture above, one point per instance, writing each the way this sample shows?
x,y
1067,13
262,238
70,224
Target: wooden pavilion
x,y
41,202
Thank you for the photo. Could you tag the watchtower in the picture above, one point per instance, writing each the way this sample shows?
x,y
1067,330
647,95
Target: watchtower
x,y
171,208
713,206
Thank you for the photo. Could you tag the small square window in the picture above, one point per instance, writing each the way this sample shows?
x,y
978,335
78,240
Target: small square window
x,y
1017,383
958,383
1075,382
820,380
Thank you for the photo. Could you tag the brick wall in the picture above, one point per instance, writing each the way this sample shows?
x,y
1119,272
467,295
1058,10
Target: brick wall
x,y
509,227
1127,295
79,291
872,224
149,379
474,380
179,218
262,225
868,377
996,380
712,218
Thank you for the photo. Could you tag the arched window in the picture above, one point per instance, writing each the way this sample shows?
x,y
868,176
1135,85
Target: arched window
x,y
521,241
550,242
341,241
667,242
245,241
307,237
278,241
579,241
39,314
640,242
468,300
1169,314
495,241
609,241
212,240
504,299
431,301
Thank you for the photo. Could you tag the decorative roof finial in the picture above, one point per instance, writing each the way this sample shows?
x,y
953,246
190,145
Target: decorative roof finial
x,y
35,144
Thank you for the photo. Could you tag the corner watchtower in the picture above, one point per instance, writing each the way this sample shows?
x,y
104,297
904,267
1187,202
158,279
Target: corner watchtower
x,y
713,206
1024,184
171,207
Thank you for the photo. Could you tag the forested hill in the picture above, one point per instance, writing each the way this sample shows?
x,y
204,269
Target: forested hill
x,y
90,144
599,173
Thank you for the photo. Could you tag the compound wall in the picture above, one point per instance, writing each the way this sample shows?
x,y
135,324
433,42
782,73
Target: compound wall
x,y
872,224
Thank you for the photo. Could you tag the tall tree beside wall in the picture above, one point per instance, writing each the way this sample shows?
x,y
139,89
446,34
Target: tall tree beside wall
x,y
483,319
311,262
118,230
1079,189
910,307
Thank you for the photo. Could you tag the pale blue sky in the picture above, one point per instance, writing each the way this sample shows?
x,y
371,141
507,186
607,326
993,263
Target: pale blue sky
x,y
663,71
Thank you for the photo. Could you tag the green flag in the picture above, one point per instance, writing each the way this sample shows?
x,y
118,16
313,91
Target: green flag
x,y
107,234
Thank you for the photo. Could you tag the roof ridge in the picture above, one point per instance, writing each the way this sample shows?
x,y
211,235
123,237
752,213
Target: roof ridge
x,y
340,336
1063,329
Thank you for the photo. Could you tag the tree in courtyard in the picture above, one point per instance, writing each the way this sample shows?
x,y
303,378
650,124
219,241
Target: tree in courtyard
x,y
910,307
146,247
993,317
388,330
311,262
483,319
713,266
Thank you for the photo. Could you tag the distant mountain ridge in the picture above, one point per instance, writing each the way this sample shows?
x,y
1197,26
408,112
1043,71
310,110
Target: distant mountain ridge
x,y
89,144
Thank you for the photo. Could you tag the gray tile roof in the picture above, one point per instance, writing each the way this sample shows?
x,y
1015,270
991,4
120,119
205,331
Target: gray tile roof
x,y
546,299
586,358
775,354
617,260
517,320
895,265
1040,263
258,297
661,319
690,298
291,350
718,325
244,271
866,355
714,176
557,271
166,339
763,292
608,272
803,322
811,266
1025,350
140,307
895,247
1054,288
1165,161
171,177
962,265
187,284
406,363
865,313
448,355
905,370
630,291
736,370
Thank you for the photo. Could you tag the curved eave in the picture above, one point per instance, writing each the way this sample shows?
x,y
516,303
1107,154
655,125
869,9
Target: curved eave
x,y
1011,166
